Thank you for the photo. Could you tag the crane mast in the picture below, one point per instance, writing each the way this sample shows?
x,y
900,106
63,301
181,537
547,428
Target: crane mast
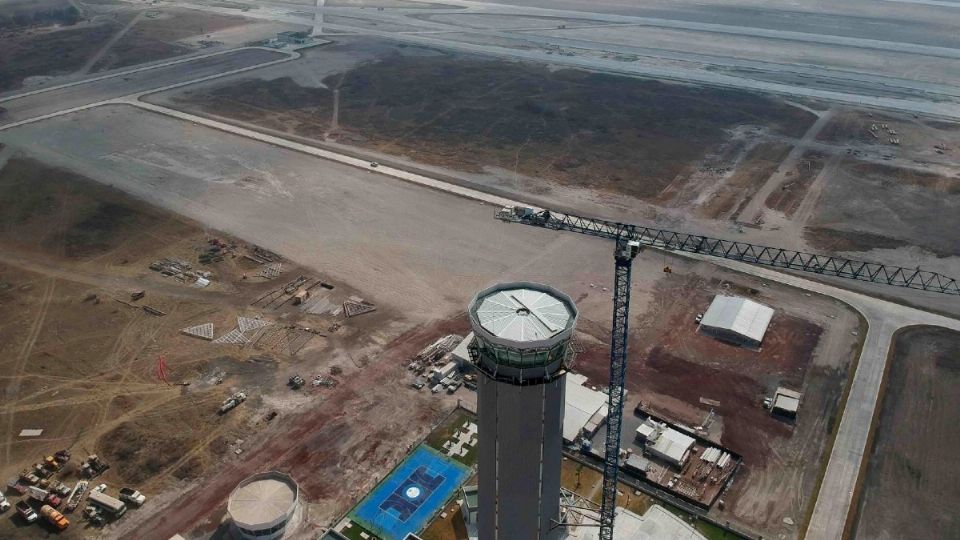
x,y
630,240
626,251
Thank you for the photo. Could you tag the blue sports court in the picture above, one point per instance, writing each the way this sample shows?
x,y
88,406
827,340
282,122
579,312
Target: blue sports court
x,y
406,499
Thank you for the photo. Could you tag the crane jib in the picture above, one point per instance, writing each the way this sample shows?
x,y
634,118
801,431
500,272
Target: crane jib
x,y
826,265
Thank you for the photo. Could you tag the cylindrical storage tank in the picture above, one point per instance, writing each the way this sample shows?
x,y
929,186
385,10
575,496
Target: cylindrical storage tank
x,y
521,348
263,505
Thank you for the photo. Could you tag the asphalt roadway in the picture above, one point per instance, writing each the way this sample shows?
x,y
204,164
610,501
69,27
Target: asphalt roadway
x,y
835,499
41,103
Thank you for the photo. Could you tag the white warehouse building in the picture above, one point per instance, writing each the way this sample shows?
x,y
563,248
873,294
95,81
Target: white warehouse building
x,y
664,442
737,320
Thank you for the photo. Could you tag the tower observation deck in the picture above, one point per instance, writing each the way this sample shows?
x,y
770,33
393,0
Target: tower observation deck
x,y
523,332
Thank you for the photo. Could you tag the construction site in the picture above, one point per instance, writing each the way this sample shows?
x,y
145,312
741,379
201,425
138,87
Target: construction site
x,y
267,267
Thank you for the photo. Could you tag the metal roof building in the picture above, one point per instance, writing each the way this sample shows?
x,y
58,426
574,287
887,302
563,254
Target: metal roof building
x,y
786,401
584,410
664,442
737,320
657,523
262,505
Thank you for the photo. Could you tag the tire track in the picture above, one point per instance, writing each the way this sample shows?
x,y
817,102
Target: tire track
x,y
13,387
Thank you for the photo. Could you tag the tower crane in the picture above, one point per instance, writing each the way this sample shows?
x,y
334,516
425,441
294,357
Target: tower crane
x,y
631,239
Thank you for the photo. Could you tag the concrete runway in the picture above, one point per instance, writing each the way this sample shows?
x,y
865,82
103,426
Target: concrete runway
x,y
820,56
47,101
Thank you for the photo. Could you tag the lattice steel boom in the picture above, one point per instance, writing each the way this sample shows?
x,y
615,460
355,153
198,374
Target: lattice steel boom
x,y
630,239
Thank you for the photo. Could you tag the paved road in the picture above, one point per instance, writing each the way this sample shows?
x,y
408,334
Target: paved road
x,y
52,100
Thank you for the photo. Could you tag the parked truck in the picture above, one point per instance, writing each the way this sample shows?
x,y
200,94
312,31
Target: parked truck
x,y
54,517
26,511
94,466
108,504
73,501
132,496
232,402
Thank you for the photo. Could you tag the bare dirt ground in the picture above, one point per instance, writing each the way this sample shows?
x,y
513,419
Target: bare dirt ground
x,y
28,8
673,367
50,51
885,206
910,490
161,36
614,134
791,194
79,358
752,171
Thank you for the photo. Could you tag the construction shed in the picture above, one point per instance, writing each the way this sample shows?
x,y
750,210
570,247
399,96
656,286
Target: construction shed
x,y
736,320
786,402
664,442
461,354
637,464
584,410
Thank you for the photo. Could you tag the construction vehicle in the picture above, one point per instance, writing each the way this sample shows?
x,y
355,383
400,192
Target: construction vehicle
x,y
631,239
62,456
61,489
42,471
94,515
132,496
56,518
37,494
73,501
29,478
111,505
26,511
232,402
44,496
94,466
51,463
4,504
296,382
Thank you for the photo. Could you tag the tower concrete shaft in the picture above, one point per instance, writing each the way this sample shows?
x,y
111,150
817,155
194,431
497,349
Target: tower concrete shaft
x,y
520,352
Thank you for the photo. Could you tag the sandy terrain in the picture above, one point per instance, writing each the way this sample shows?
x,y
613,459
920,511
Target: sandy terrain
x,y
80,358
158,36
